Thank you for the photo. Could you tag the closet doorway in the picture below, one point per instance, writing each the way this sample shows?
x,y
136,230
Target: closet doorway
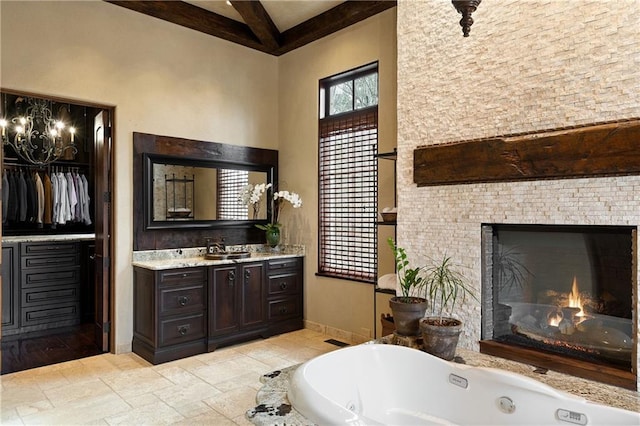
x,y
56,227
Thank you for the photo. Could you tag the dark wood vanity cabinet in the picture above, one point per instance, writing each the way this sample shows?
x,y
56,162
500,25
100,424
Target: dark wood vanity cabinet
x,y
170,306
285,295
237,303
186,311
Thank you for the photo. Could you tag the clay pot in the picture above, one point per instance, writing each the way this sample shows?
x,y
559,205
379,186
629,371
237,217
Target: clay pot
x,y
407,312
440,339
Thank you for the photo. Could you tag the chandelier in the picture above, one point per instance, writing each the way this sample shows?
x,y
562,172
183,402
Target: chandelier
x,y
36,136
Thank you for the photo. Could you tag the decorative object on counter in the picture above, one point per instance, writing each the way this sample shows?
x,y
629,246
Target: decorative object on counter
x,y
407,309
272,229
443,285
36,136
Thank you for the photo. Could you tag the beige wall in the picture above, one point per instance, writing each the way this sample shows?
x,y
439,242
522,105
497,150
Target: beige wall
x,y
161,78
527,65
340,305
169,80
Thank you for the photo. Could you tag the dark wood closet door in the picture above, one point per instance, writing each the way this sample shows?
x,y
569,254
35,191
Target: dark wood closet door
x,y
102,197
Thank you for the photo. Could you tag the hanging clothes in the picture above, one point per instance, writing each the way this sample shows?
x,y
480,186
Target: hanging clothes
x,y
48,202
39,199
6,189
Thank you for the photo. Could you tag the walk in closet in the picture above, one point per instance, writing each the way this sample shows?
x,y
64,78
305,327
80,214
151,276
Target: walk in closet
x,y
55,228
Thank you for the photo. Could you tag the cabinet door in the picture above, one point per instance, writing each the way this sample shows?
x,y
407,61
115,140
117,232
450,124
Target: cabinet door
x,y
9,287
224,306
253,294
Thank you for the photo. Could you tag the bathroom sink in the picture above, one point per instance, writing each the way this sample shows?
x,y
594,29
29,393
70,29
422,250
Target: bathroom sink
x,y
227,255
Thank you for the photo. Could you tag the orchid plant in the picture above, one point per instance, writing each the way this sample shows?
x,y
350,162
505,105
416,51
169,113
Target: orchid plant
x,y
279,199
252,194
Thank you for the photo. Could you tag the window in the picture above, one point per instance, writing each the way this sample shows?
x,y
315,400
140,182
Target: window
x,y
230,184
348,175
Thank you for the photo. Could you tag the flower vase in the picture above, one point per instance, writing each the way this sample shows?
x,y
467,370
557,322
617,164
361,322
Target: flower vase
x,y
273,236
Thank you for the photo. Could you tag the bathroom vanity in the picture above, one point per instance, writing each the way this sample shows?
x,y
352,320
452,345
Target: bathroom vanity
x,y
187,304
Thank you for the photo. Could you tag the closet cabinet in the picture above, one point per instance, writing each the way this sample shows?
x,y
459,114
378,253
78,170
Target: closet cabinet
x,y
237,300
42,285
10,289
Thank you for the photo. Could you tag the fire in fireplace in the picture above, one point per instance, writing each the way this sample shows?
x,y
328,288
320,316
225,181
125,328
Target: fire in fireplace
x,y
561,290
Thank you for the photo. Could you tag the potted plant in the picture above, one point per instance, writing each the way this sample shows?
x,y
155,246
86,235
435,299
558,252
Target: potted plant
x,y
407,309
440,333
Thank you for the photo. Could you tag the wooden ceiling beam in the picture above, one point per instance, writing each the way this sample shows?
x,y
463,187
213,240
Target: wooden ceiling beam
x,y
196,18
335,19
259,21
260,33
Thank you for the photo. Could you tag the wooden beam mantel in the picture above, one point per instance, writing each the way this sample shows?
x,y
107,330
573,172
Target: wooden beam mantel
x,y
596,150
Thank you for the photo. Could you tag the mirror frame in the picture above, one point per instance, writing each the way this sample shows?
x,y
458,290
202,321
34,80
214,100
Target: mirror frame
x,y
154,235
151,159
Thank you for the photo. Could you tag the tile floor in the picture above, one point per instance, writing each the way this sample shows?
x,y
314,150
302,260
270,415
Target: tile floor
x,y
215,388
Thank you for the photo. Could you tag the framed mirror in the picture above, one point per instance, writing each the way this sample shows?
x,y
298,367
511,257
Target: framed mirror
x,y
192,193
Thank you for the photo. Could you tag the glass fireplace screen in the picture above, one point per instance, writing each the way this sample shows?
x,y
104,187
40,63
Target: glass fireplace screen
x,y
565,290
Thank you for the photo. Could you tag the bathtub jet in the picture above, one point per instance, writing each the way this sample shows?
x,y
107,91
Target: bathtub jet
x,y
377,384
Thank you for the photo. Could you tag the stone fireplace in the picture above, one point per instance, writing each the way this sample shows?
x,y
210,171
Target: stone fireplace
x,y
565,291
580,183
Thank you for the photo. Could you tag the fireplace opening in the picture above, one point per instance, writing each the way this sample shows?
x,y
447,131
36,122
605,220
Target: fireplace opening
x,y
565,292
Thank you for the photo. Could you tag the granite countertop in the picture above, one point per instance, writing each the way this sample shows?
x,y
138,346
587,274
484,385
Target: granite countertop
x,y
157,260
48,238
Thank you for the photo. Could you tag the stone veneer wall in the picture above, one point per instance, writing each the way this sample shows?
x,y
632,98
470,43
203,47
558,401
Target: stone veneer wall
x,y
527,65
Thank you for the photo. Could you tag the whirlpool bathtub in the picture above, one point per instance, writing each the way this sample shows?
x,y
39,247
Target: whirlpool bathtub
x,y
377,384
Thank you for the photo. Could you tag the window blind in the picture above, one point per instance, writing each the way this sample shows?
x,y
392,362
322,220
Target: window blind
x,y
348,174
229,185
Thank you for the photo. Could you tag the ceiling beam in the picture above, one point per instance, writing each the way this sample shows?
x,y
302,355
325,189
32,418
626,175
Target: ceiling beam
x,y
196,18
259,21
335,19
260,33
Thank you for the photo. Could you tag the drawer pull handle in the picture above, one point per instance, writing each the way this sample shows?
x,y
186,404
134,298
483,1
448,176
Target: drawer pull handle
x,y
283,310
183,329
231,277
182,300
185,275
283,285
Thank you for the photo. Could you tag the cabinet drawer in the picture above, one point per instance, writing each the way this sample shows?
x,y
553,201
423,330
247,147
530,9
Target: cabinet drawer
x,y
42,277
48,295
280,264
49,249
182,299
55,262
284,308
182,329
64,312
182,276
283,284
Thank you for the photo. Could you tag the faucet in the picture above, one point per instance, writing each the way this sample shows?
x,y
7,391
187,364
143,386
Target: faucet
x,y
215,247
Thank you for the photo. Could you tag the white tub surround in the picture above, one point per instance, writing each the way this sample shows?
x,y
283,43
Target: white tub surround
x,y
390,384
194,256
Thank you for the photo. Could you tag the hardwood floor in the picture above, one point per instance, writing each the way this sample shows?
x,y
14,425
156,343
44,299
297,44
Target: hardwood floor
x,y
24,352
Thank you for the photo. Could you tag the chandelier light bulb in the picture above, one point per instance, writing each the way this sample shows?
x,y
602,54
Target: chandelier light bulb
x,y
23,121
72,130
59,125
54,133
3,124
19,129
